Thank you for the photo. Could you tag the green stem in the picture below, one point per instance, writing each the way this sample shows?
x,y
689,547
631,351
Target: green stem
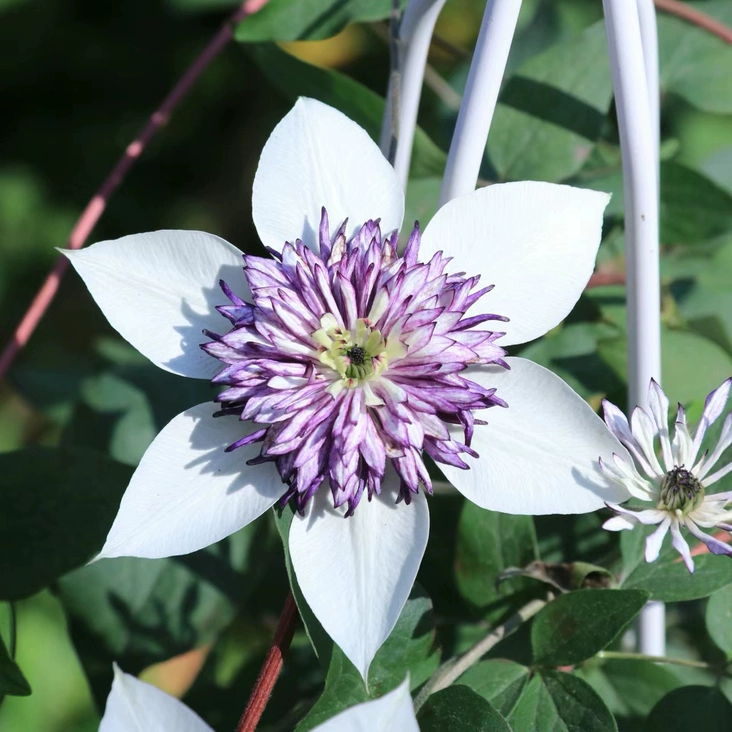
x,y
658,659
452,670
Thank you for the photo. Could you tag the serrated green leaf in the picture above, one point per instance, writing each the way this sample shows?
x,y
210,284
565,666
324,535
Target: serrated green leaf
x,y
488,543
719,618
311,20
296,78
457,709
559,702
691,708
12,681
551,111
577,625
57,507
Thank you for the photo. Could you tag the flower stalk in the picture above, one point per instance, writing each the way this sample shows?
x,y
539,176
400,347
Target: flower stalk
x,y
271,667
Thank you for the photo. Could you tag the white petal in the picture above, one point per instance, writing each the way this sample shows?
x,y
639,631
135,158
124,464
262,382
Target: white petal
x,y
160,290
357,573
134,706
540,455
655,540
644,433
188,493
679,543
658,403
713,408
315,157
393,712
619,523
725,440
536,242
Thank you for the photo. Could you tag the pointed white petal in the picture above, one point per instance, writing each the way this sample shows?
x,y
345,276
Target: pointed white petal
x,y
714,477
619,523
393,712
715,546
134,706
658,403
356,573
540,455
318,157
636,484
617,423
679,543
725,440
160,290
655,540
646,517
644,433
682,445
188,493
713,408
536,242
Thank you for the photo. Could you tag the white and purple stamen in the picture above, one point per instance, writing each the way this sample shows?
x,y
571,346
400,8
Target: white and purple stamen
x,y
350,357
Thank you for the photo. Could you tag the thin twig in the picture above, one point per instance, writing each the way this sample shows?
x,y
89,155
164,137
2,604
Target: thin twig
x,y
270,668
455,668
622,655
696,17
95,208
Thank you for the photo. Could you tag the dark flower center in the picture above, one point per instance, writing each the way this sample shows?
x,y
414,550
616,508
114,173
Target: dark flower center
x,y
357,354
681,490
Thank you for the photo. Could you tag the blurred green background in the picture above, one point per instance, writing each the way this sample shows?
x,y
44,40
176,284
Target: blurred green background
x,y
79,80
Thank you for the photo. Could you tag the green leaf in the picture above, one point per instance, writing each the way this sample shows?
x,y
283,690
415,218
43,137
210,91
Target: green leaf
x,y
575,626
630,687
143,611
488,543
57,507
312,20
498,681
694,63
410,648
692,365
691,708
559,702
719,618
457,709
693,208
295,78
668,580
551,111
12,681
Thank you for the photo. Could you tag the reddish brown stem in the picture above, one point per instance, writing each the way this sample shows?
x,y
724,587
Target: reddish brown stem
x,y
697,17
270,668
95,208
600,278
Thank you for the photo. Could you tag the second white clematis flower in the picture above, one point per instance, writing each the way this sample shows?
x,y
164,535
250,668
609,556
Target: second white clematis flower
x,y
677,483
134,706
345,364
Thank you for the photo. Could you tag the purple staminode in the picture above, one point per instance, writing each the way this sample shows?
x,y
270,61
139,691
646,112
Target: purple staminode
x,y
350,357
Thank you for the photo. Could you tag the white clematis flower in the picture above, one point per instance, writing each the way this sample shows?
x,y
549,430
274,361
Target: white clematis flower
x,y
346,364
677,483
134,706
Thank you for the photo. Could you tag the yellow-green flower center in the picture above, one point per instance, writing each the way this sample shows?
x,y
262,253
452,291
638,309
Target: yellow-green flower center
x,y
681,491
357,354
